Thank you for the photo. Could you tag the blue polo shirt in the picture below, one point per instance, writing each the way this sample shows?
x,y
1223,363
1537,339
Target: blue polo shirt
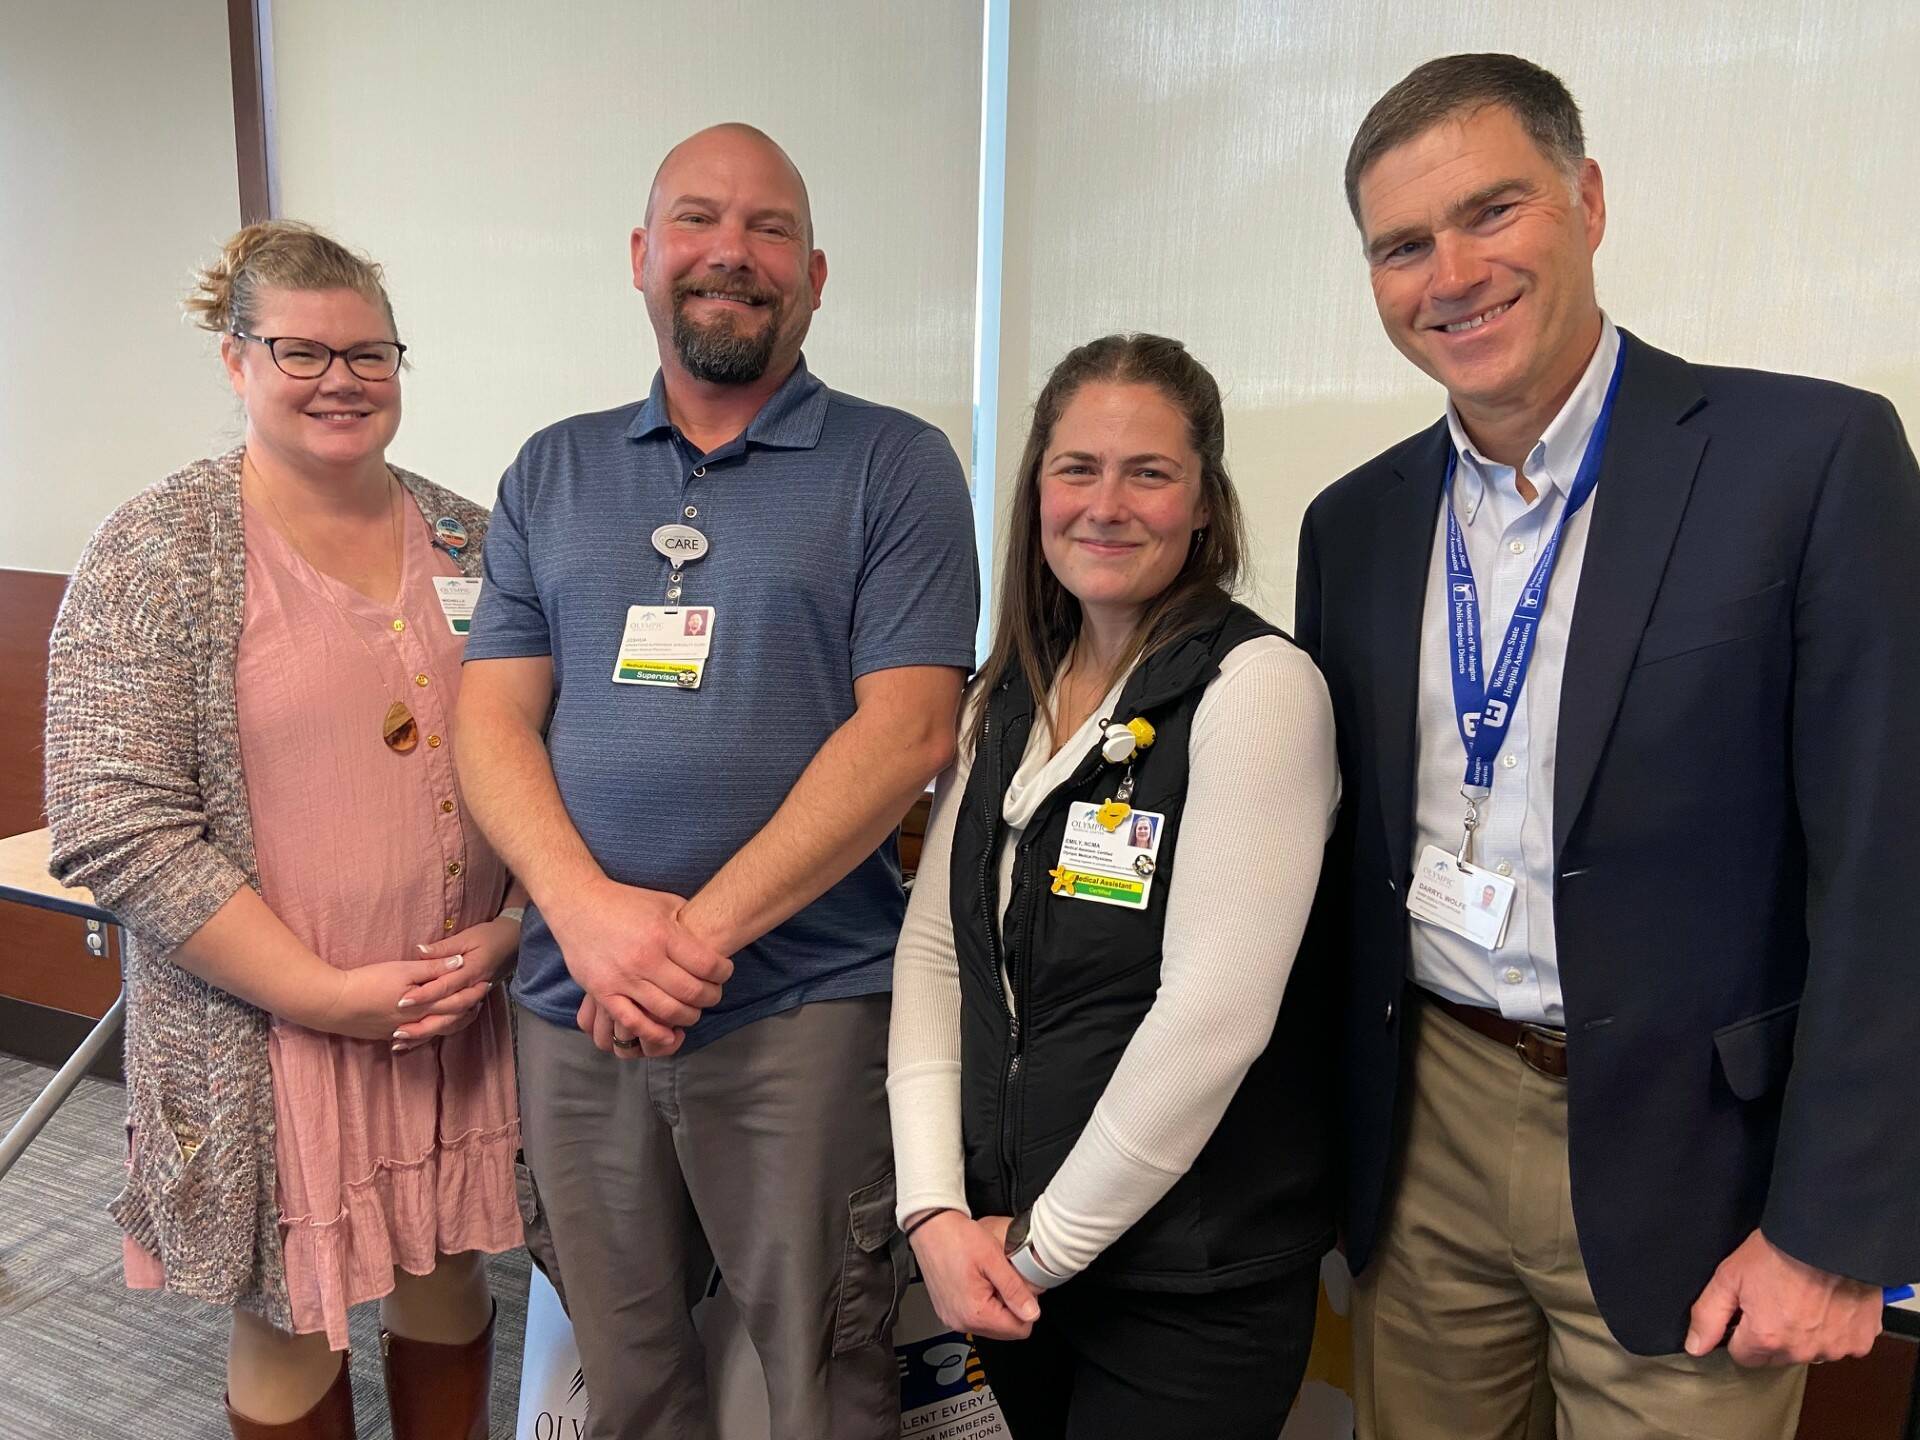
x,y
840,542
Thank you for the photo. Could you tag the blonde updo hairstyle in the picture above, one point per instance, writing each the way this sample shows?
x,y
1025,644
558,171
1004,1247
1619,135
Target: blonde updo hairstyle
x,y
277,255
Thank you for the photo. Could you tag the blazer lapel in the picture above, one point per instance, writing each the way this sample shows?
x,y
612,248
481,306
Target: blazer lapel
x,y
1646,477
1402,556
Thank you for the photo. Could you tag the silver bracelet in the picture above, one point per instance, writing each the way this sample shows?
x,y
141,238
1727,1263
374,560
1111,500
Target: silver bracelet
x,y
515,913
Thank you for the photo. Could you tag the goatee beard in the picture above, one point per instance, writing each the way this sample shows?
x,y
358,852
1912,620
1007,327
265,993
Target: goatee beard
x,y
716,352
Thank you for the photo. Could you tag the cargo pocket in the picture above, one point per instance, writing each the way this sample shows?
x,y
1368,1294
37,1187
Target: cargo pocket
x,y
533,1225
869,1274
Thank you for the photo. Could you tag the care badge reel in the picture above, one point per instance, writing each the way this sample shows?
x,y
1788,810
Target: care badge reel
x,y
681,545
450,535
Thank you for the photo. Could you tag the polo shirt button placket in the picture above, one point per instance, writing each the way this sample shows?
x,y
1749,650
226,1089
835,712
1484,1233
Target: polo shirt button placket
x,y
689,511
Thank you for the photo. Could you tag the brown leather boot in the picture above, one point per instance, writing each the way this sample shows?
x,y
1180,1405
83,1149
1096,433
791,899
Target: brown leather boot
x,y
331,1418
439,1392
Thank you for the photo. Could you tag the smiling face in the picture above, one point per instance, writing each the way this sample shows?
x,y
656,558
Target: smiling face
x,y
335,421
1481,259
1120,498
726,259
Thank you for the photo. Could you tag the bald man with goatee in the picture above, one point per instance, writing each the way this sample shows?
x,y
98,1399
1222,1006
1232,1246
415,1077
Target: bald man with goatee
x,y
717,656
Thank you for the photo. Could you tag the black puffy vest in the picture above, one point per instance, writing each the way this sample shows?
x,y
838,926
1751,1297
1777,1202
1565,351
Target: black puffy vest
x,y
1257,1200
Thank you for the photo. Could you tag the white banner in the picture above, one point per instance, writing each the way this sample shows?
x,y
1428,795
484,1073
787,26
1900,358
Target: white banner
x,y
943,1390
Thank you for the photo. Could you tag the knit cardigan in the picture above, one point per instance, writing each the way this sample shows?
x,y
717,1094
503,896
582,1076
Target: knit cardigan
x,y
148,807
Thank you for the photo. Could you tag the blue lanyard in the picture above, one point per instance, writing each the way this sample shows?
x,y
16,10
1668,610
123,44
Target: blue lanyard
x,y
1482,706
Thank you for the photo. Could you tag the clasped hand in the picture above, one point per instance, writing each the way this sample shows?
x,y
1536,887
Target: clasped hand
x,y
647,977
973,1286
409,1002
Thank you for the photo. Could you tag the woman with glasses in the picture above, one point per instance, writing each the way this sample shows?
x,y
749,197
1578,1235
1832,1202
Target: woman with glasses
x,y
250,761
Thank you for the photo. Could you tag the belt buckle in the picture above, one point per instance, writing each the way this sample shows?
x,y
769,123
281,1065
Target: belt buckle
x,y
1531,1033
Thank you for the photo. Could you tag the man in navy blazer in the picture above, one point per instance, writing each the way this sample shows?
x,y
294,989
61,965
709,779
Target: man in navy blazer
x,y
1630,1159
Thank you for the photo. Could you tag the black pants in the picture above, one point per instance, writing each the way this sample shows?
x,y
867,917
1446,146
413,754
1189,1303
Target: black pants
x,y
1110,1364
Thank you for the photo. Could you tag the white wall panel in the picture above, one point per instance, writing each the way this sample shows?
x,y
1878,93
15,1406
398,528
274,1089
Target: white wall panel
x,y
116,176
1177,168
495,155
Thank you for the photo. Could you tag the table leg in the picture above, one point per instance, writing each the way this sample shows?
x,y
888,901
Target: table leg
x,y
50,1099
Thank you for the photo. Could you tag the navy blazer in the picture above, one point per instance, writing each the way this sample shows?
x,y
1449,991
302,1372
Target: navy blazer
x,y
1736,824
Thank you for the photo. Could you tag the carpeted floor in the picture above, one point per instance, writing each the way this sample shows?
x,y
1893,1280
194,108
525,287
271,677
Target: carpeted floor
x,y
83,1357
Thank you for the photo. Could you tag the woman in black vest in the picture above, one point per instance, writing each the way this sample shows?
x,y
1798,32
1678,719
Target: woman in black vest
x,y
1108,1074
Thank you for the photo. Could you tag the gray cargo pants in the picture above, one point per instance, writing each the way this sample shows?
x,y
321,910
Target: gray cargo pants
x,y
767,1152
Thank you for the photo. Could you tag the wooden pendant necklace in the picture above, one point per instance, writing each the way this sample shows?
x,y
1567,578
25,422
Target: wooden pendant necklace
x,y
399,731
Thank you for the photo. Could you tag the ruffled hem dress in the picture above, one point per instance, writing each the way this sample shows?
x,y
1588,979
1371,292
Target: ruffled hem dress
x,y
385,1161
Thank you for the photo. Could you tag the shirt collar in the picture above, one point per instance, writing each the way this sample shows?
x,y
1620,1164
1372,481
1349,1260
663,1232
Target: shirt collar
x,y
1556,455
792,418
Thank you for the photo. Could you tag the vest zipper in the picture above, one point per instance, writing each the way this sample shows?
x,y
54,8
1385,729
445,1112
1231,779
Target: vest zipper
x,y
1009,1161
1017,977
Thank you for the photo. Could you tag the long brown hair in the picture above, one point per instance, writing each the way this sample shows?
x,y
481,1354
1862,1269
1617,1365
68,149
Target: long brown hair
x,y
1038,620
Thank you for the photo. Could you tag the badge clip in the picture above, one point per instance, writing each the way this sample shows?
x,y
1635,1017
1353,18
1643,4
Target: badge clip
x,y
1467,827
1119,744
1122,742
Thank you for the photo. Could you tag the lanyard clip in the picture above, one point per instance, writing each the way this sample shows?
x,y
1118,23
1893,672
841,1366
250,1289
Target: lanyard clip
x,y
1467,827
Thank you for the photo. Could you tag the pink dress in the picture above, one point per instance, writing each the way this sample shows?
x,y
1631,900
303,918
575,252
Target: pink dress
x,y
384,1160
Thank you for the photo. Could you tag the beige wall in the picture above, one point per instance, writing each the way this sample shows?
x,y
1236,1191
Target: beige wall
x,y
1177,168
495,155
1170,167
116,174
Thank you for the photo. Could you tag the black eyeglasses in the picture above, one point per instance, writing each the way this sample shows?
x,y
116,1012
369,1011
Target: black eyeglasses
x,y
309,359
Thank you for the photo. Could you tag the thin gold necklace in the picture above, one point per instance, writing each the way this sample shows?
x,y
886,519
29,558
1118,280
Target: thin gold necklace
x,y
398,729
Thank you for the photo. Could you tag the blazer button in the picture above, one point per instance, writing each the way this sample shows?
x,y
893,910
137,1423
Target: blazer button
x,y
1389,1012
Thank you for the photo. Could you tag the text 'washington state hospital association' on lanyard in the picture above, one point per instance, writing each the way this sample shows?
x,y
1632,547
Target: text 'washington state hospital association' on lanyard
x,y
1482,706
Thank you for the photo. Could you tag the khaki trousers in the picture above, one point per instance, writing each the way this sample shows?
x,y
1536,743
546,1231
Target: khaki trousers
x,y
1475,1321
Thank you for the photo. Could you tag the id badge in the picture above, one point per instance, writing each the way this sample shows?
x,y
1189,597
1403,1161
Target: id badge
x,y
1462,898
665,645
458,595
1109,867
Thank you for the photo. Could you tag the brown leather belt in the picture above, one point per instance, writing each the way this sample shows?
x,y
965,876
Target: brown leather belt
x,y
1541,1046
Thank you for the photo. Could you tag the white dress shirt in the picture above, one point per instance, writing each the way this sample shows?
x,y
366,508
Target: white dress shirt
x,y
1503,534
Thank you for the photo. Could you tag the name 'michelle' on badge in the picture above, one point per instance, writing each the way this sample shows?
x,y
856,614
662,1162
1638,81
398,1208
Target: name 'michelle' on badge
x,y
665,645
1107,866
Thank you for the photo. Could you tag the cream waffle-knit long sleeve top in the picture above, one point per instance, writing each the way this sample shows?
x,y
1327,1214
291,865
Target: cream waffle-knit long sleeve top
x,y
1262,791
